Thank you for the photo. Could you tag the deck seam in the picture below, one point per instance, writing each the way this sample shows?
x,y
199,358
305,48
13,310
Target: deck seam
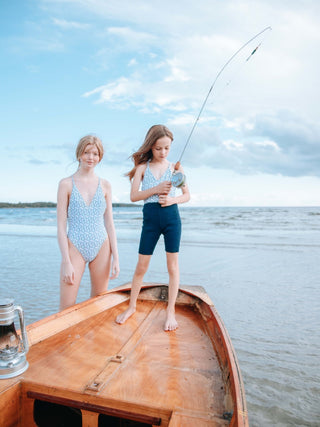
x,y
111,367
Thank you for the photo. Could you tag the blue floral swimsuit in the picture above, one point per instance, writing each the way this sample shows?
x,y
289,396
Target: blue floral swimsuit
x,y
86,229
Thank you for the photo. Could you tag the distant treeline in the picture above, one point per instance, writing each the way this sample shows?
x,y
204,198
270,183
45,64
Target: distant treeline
x,y
28,205
52,205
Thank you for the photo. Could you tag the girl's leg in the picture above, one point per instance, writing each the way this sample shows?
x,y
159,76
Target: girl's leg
x,y
141,269
68,291
100,270
174,278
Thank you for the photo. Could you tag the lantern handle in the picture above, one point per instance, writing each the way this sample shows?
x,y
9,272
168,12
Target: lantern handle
x,y
22,328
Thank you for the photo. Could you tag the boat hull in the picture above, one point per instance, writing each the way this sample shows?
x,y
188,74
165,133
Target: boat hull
x,y
82,360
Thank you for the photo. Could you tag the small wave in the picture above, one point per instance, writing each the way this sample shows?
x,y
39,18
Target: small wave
x,y
27,230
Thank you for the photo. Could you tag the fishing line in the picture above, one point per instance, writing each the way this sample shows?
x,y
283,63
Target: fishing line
x,y
230,78
178,178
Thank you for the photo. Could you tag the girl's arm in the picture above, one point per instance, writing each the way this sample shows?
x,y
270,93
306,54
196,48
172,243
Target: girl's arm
x,y
64,190
109,224
136,194
166,200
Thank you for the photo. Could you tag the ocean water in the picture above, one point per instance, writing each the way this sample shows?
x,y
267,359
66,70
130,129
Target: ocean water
x,y
260,266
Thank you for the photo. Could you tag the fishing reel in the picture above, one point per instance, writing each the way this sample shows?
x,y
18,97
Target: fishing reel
x,y
178,179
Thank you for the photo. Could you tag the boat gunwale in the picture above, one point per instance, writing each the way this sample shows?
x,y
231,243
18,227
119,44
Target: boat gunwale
x,y
240,413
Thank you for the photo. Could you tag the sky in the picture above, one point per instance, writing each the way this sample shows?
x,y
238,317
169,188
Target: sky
x,y
113,68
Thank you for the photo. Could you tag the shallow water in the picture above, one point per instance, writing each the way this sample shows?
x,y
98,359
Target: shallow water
x,y
260,267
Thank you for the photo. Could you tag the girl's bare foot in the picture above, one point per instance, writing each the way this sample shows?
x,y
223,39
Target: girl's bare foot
x,y
171,324
125,315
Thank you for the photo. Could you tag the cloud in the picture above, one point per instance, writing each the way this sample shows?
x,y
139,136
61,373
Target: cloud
x,y
280,143
194,45
40,162
132,38
121,93
233,145
262,115
139,91
24,45
70,25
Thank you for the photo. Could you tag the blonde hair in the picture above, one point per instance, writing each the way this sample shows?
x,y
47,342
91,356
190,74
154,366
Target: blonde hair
x,y
89,140
144,153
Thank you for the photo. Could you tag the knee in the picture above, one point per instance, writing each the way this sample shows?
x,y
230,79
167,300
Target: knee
x,y
141,269
173,268
66,301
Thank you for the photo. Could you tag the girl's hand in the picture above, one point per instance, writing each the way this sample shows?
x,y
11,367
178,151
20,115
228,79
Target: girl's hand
x,y
166,200
115,269
67,272
164,187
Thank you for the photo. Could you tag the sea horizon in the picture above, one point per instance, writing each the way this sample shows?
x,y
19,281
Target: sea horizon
x,y
39,204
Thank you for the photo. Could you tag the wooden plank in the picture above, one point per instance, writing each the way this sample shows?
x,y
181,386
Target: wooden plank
x,y
171,370
96,400
52,325
57,322
27,406
161,293
71,357
235,394
113,362
89,419
10,406
101,409
9,383
193,419
197,291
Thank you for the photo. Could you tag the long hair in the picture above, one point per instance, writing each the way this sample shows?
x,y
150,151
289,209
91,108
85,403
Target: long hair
x,y
144,153
89,140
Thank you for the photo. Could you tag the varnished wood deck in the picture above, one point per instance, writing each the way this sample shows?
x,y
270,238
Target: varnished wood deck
x,y
82,357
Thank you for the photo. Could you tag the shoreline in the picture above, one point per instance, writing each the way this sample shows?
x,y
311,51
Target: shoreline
x,y
20,205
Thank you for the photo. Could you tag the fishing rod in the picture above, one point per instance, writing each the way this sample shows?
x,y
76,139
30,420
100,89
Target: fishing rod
x,y
178,178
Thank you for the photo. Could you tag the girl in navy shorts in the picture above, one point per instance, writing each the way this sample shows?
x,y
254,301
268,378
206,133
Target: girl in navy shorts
x,y
151,182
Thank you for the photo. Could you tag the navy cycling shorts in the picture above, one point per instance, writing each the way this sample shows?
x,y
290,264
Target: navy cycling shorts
x,y
157,221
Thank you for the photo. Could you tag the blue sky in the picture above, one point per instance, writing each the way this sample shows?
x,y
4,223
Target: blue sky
x,y
114,68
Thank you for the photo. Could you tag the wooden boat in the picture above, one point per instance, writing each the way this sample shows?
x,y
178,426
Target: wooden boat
x,y
86,370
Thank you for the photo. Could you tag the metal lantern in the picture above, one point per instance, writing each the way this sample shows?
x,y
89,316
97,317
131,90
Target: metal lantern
x,y
13,348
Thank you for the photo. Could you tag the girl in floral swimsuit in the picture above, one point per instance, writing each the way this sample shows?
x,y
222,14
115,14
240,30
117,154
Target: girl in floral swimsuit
x,y
160,215
85,206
